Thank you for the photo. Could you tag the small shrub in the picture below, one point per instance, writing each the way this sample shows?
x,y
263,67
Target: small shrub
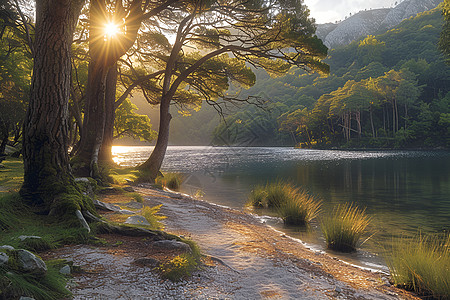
x,y
179,267
150,213
422,264
344,228
171,181
299,209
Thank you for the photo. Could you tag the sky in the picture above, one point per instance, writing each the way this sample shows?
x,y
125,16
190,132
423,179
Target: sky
x,y
334,10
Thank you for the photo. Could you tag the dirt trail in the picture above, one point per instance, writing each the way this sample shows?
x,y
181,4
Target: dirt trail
x,y
252,262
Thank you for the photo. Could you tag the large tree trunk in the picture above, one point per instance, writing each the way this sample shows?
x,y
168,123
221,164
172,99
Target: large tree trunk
x,y
94,121
105,154
154,162
45,146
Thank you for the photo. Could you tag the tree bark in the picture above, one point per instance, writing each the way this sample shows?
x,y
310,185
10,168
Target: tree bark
x,y
104,53
45,146
105,154
154,162
94,121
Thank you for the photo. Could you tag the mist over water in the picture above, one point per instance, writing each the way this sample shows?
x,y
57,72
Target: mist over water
x,y
404,191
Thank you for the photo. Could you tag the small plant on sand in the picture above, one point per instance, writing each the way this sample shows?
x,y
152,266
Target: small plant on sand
x,y
151,214
344,227
299,209
180,266
171,181
422,265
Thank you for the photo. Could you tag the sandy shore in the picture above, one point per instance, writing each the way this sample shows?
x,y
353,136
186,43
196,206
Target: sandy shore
x,y
251,261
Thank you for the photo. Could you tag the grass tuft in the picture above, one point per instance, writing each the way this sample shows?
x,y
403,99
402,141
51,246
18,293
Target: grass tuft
x,y
300,209
257,197
295,206
52,286
37,245
171,181
344,227
422,264
151,214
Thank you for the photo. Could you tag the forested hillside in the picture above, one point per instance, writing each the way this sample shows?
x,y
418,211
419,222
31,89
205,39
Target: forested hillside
x,y
390,90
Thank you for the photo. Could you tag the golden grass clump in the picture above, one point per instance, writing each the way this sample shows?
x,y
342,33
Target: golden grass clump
x,y
422,264
300,209
344,228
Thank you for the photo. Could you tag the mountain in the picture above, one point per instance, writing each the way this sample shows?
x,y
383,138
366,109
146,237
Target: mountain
x,y
371,22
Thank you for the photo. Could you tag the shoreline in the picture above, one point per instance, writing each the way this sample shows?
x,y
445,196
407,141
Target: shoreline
x,y
261,239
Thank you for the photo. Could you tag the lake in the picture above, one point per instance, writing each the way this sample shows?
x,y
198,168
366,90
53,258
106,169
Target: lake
x,y
405,192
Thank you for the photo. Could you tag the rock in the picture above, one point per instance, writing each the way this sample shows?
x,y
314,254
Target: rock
x,y
109,191
106,206
4,258
7,247
128,189
65,270
338,290
371,22
135,205
172,245
127,212
408,9
82,179
82,220
24,237
148,262
137,220
30,263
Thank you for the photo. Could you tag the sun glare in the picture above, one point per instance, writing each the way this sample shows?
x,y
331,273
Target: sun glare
x,y
111,29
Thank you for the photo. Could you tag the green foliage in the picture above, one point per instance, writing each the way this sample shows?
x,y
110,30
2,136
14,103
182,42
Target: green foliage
x,y
422,264
344,228
15,65
171,181
11,176
130,124
18,219
444,42
51,286
151,214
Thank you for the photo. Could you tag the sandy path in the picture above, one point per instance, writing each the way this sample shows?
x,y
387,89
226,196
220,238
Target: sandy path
x,y
258,262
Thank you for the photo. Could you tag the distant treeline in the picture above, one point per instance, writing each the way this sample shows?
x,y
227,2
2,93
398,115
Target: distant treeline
x,y
387,91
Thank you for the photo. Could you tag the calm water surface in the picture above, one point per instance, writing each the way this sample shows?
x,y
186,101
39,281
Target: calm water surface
x,y
404,191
